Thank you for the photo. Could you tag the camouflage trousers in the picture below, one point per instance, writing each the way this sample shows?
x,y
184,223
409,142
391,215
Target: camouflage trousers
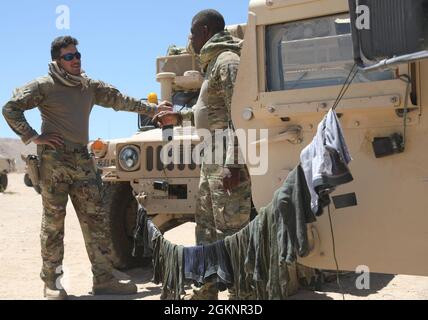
x,y
67,173
220,214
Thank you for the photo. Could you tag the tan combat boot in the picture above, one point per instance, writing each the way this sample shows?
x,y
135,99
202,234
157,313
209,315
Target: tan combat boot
x,y
114,287
232,295
54,294
208,291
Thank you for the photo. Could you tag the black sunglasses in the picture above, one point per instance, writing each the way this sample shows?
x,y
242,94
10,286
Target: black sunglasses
x,y
70,56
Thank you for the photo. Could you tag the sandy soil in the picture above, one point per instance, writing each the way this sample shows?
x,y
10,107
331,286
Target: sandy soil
x,y
20,262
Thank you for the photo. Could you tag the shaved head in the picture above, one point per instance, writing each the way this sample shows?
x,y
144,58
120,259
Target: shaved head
x,y
210,18
205,24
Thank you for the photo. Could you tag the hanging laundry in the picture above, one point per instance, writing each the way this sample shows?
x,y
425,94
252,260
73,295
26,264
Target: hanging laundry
x,y
272,242
167,257
168,268
292,211
237,246
210,263
194,264
260,261
144,233
218,266
325,162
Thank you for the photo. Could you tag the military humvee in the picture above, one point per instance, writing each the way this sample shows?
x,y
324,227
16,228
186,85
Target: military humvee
x,y
297,55
6,166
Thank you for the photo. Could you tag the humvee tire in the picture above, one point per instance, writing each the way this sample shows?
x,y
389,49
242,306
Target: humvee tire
x,y
27,181
3,182
121,207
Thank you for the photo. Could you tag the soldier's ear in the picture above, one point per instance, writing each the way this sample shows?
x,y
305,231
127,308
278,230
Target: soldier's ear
x,y
207,32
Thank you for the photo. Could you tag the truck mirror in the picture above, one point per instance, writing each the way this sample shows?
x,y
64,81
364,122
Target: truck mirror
x,y
383,29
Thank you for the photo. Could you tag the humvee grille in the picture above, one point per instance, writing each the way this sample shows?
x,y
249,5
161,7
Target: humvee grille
x,y
154,160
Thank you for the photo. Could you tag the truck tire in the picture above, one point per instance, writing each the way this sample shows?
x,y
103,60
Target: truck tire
x,y
27,181
3,182
121,207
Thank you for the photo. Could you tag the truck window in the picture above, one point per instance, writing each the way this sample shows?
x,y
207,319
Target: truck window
x,y
312,53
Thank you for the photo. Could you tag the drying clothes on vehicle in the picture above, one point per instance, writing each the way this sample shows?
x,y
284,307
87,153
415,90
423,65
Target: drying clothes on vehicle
x,y
270,278
259,261
263,255
325,162
237,247
291,205
218,266
275,238
194,264
167,257
209,263
143,235
168,268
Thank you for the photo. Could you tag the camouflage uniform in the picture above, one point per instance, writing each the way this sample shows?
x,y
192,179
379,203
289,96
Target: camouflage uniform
x,y
69,170
219,214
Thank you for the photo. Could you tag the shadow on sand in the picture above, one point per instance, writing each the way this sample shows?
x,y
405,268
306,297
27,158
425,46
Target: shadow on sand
x,y
348,282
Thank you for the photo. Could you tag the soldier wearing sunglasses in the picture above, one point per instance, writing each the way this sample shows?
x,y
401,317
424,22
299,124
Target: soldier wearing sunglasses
x,y
65,98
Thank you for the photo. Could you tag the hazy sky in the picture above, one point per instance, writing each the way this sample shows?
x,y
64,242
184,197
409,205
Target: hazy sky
x,y
119,41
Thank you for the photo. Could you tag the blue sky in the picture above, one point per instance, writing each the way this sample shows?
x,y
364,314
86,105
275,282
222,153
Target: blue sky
x,y
119,40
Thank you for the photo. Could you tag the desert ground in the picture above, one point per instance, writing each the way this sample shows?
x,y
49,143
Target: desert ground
x,y
20,262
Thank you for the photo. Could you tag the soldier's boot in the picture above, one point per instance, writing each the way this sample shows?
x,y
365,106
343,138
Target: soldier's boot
x,y
208,291
114,287
232,295
52,293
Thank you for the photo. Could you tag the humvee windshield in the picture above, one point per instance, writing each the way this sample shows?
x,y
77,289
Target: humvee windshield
x,y
180,100
312,53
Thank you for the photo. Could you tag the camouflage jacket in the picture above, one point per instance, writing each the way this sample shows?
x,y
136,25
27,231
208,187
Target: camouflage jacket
x,y
65,110
219,59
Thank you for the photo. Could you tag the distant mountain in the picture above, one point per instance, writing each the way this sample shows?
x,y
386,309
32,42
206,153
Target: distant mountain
x,y
13,148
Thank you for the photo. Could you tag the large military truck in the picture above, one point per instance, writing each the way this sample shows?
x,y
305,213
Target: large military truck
x,y
296,58
297,55
6,166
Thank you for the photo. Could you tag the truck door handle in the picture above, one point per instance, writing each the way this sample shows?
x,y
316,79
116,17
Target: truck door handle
x,y
293,135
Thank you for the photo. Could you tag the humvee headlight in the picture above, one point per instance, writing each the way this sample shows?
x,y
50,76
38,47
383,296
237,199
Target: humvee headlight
x,y
129,158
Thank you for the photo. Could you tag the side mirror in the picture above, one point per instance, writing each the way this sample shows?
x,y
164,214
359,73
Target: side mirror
x,y
384,29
